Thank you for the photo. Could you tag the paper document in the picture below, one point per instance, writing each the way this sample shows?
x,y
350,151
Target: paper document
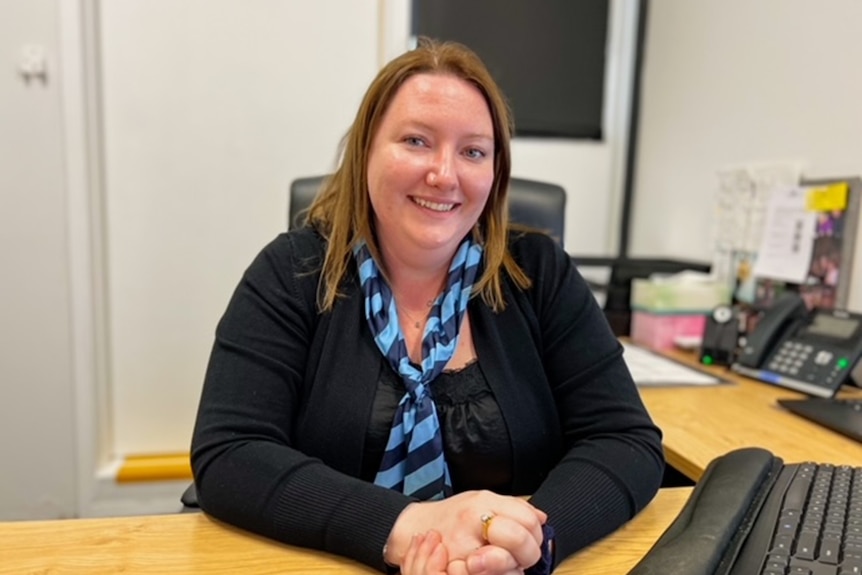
x,y
788,238
651,369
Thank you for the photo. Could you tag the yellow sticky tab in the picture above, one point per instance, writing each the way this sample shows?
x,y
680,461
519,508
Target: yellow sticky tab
x,y
827,198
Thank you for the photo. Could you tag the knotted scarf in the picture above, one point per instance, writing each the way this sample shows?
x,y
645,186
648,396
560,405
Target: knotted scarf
x,y
413,461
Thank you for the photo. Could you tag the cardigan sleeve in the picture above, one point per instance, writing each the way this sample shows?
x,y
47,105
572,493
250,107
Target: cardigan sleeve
x,y
613,462
247,470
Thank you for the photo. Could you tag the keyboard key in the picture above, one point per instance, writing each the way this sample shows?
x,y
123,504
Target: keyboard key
x,y
777,562
805,546
829,550
798,567
781,544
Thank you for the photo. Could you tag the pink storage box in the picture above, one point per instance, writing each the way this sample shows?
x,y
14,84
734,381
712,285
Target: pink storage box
x,y
657,331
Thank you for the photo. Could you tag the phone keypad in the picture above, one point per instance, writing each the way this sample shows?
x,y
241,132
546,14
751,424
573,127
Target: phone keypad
x,y
790,357
800,361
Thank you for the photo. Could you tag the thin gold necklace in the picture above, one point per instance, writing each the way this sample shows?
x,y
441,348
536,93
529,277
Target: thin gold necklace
x,y
417,323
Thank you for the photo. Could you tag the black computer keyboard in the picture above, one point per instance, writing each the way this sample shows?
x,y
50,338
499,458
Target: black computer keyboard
x,y
810,524
751,514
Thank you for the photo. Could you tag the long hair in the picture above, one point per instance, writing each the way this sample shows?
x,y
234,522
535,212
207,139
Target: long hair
x,y
342,210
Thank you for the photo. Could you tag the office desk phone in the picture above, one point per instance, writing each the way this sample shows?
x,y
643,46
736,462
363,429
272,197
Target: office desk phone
x,y
812,352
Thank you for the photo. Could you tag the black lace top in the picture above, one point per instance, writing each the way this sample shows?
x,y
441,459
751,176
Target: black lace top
x,y
475,437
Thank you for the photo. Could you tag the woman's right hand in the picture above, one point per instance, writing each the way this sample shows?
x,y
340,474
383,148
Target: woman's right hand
x,y
515,529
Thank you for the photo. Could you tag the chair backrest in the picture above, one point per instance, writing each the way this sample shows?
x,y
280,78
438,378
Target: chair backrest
x,y
540,205
537,204
302,192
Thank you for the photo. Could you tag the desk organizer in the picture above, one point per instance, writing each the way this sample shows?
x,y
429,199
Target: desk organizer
x,y
658,330
668,307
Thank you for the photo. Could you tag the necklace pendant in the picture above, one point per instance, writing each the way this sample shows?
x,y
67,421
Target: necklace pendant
x,y
417,325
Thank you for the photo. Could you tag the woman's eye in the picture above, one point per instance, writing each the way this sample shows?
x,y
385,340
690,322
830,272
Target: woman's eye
x,y
475,153
414,141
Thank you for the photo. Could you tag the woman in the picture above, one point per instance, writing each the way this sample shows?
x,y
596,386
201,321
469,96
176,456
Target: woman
x,y
409,364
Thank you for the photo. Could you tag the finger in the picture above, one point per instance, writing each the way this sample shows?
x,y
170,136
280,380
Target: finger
x,y
457,567
410,560
437,555
522,512
438,560
425,556
491,559
503,532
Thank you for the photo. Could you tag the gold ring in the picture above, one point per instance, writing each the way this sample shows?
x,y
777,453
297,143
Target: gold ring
x,y
486,524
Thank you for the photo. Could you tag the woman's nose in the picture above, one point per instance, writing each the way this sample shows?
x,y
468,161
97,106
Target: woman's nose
x,y
441,172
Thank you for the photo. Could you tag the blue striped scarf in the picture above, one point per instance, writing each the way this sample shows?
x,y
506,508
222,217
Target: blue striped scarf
x,y
414,462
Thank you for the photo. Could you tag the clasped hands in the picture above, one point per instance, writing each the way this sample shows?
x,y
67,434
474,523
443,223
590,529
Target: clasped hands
x,y
472,533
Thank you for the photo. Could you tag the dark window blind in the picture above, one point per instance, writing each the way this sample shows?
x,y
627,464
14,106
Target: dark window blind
x,y
548,56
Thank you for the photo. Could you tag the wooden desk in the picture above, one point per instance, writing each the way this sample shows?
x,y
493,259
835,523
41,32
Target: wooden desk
x,y
192,543
702,423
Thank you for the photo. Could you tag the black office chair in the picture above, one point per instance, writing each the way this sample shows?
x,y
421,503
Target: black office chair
x,y
532,203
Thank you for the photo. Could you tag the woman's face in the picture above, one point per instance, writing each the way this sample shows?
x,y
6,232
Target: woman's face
x,y
430,167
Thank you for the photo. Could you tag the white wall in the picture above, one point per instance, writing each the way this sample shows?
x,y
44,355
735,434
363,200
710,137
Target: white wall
x,y
37,402
734,81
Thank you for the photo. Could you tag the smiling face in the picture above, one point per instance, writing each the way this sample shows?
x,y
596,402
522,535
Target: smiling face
x,y
430,168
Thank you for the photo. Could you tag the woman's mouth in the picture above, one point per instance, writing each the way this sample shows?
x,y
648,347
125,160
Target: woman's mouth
x,y
434,206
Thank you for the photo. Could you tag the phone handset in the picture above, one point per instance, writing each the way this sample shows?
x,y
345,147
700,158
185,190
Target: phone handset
x,y
788,308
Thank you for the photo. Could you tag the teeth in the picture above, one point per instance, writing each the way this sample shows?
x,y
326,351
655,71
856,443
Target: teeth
x,y
434,205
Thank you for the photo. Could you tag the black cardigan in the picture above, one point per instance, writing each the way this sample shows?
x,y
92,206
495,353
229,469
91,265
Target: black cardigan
x,y
278,441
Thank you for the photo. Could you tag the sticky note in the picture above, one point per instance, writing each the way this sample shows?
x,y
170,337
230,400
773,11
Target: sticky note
x,y
827,198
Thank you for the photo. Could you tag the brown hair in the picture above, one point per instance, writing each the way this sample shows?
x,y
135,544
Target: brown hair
x,y
341,212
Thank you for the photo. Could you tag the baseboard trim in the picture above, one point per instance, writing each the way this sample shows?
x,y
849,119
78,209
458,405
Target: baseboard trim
x,y
162,467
